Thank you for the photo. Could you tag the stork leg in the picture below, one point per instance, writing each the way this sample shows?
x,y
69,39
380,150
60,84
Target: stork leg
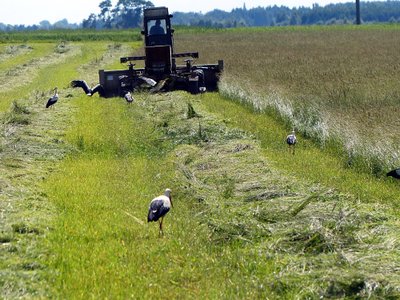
x,y
161,232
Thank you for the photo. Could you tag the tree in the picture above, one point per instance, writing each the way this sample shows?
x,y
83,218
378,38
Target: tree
x,y
105,13
44,25
90,22
128,13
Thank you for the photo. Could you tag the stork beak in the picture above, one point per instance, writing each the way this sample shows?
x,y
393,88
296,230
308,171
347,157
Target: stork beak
x,y
170,200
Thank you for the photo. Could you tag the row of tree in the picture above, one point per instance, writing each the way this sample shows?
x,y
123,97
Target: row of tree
x,y
43,25
342,13
128,14
125,14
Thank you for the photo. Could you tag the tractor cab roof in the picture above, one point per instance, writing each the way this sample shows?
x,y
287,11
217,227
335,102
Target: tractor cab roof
x,y
156,12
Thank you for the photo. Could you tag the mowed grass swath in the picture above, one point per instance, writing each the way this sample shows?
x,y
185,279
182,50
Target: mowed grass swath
x,y
30,144
334,84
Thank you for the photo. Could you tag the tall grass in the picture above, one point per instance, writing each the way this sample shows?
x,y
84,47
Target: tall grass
x,y
339,83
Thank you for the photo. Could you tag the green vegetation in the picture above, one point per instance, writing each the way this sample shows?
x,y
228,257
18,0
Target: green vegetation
x,y
82,35
250,220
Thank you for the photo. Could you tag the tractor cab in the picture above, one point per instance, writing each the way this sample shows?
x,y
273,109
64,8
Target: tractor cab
x,y
158,41
157,27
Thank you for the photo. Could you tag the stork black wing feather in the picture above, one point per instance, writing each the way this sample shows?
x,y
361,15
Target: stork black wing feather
x,y
82,84
157,210
394,173
98,89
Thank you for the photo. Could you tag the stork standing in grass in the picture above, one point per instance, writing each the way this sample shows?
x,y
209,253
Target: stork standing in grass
x,y
159,207
53,99
128,97
291,140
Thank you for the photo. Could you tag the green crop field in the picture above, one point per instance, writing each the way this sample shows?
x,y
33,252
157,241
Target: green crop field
x,y
250,220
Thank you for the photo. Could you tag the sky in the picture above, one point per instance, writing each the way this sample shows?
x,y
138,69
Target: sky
x,y
30,12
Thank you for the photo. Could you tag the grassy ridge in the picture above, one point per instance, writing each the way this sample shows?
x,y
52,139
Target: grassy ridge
x,y
71,35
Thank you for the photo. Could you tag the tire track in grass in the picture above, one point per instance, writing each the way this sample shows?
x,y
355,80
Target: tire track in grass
x,y
32,141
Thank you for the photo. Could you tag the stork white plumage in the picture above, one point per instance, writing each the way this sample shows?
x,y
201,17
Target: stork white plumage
x,y
53,99
128,97
291,140
159,207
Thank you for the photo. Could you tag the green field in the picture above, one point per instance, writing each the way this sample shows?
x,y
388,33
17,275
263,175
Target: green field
x,y
250,220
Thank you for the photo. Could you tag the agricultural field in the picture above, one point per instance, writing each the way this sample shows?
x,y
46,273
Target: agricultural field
x,y
250,220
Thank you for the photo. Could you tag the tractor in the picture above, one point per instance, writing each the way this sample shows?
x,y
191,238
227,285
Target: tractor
x,y
160,72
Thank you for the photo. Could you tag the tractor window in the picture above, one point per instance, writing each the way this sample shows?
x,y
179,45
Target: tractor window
x,y
156,27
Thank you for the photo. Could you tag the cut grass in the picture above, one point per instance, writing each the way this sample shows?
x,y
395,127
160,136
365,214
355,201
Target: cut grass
x,y
32,141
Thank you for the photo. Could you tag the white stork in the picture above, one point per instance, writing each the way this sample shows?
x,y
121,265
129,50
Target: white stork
x,y
291,140
53,99
159,207
128,97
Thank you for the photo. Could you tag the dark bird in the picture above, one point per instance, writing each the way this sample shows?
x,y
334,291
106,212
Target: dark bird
x,y
291,140
88,91
128,97
159,207
53,99
394,173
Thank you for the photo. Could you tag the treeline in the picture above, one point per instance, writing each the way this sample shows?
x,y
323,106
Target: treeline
x,y
342,13
43,25
128,14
